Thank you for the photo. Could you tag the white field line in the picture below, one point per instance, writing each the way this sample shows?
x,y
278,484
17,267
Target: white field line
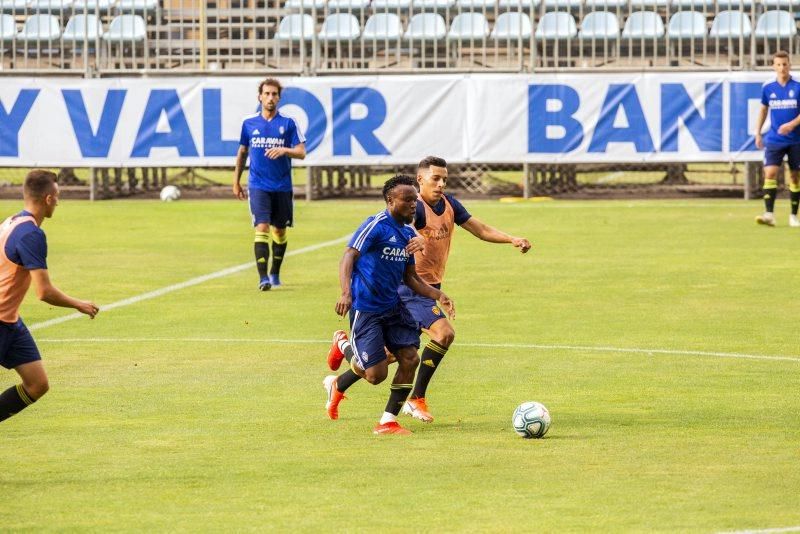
x,y
182,285
765,530
647,352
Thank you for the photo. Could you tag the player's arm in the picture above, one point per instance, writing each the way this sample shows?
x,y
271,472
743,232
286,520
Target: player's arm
x,y
47,292
296,152
762,118
346,265
241,159
488,233
787,127
415,283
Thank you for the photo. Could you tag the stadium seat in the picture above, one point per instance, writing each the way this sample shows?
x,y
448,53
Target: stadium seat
x,y
339,27
694,5
643,25
775,25
468,27
383,27
475,5
296,27
347,5
13,6
49,6
786,4
126,29
432,5
8,28
687,25
426,27
512,25
599,25
730,25
305,5
99,7
605,5
562,5
642,4
40,28
518,5
82,27
556,25
390,6
130,7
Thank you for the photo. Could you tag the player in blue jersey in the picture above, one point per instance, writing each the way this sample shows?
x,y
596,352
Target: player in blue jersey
x,y
779,99
23,257
271,140
374,266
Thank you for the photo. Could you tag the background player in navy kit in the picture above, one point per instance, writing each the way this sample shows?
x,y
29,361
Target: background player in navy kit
x,y
372,269
271,140
23,256
779,99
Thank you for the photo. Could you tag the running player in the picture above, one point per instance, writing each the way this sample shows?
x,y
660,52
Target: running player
x,y
373,268
436,216
274,140
23,256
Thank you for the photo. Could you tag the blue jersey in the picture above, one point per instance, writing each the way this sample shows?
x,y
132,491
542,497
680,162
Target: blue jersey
x,y
782,103
378,273
27,245
259,135
460,213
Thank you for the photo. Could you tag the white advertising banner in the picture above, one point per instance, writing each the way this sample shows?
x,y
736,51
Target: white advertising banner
x,y
355,120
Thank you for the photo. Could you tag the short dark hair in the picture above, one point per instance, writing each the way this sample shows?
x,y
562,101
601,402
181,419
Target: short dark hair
x,y
39,184
780,54
394,181
432,161
270,81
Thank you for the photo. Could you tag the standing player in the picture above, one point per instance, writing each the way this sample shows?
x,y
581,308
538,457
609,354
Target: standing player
x,y
274,140
779,99
23,255
436,217
372,269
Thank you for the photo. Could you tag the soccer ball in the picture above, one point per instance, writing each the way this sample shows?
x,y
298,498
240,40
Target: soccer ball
x,y
170,193
531,420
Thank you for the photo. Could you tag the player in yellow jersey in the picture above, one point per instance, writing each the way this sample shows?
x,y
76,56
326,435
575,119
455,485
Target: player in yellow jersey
x,y
436,217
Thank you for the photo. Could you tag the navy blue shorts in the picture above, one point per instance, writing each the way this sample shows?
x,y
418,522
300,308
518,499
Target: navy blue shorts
x,y
425,311
370,332
17,345
773,155
271,207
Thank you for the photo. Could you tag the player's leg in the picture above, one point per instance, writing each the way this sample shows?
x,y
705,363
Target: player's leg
x,y
260,211
773,159
794,184
19,352
342,349
282,217
402,339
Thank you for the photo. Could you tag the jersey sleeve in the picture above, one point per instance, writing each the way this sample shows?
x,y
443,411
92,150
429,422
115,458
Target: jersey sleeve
x,y
419,218
367,233
764,99
32,250
244,137
294,134
460,213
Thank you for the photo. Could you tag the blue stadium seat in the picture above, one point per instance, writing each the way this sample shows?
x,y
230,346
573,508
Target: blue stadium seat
x,y
296,27
643,25
126,29
555,26
512,25
687,25
426,27
599,25
8,28
383,27
339,27
775,25
40,29
468,27
730,24
82,27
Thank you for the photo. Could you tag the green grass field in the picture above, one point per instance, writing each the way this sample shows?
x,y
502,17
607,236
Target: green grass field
x,y
202,409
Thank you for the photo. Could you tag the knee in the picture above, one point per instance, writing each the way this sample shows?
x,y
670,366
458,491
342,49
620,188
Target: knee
x,y
37,389
446,337
375,378
410,360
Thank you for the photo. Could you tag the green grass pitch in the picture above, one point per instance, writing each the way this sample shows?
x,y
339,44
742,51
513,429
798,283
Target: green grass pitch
x,y
203,410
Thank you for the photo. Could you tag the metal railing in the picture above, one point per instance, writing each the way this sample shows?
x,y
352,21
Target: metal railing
x,y
324,36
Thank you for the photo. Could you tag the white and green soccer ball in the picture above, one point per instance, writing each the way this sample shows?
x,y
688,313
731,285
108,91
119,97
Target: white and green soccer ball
x,y
531,420
170,193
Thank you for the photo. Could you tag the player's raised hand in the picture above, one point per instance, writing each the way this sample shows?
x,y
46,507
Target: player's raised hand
x,y
238,192
89,308
522,244
416,244
448,305
344,304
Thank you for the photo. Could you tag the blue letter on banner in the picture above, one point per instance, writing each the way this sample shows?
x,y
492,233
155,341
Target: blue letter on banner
x,y
741,139
345,128
317,121
10,123
179,135
539,118
621,96
94,145
213,143
676,105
